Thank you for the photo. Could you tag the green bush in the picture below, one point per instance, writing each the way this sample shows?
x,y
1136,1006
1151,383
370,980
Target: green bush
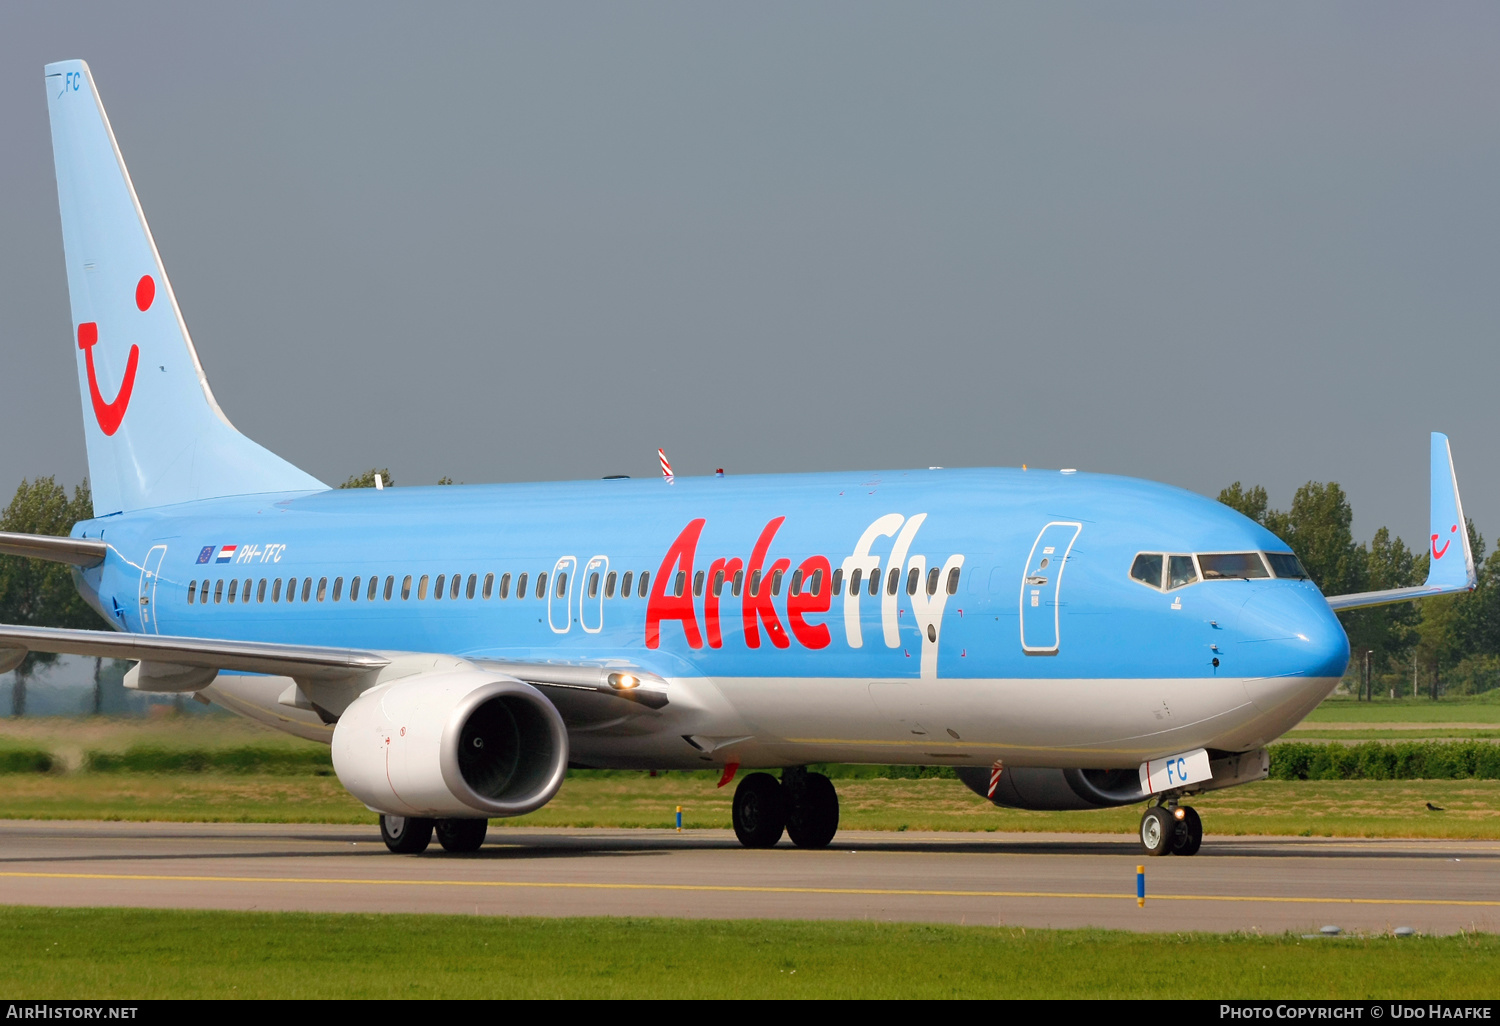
x,y
1379,760
26,760
248,759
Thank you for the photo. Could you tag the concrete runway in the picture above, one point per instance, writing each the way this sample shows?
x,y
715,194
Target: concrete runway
x,y
1033,880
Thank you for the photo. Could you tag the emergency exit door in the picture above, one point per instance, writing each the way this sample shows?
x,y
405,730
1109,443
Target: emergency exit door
x,y
1041,585
146,593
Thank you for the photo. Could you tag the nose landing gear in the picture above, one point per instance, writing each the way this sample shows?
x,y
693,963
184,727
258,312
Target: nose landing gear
x,y
1171,829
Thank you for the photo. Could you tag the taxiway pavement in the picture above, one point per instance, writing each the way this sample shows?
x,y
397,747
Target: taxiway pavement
x,y
1270,884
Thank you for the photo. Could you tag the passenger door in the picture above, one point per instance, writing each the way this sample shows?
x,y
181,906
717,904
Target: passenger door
x,y
1041,585
146,593
560,594
591,594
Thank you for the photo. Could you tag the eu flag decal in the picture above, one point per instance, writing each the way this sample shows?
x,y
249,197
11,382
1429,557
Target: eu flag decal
x,y
206,554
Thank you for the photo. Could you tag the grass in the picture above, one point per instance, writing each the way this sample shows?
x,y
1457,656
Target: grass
x,y
1437,732
1468,710
137,953
1332,808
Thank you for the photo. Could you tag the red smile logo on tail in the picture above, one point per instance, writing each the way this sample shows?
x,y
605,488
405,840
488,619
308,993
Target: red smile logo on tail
x,y
1437,553
109,414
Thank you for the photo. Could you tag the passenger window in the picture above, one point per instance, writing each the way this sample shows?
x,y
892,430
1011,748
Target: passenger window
x,y
625,584
838,582
739,581
776,583
1225,565
307,588
541,586
755,584
932,580
192,590
374,587
489,586
1180,571
323,588
594,584
855,576
644,588
894,582
953,581
218,591
406,587
797,582
505,586
521,586
338,588
1147,569
389,585
437,591
875,582
234,588
610,580
718,585
1284,564
203,594
817,582
913,578
680,585
698,583
473,584
422,588
562,585
354,588
455,583
260,590
276,590
291,589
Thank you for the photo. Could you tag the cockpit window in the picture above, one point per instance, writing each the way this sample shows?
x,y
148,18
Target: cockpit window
x,y
1284,564
1226,565
1180,571
1147,568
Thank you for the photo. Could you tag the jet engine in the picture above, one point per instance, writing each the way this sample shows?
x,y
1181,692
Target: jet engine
x,y
459,743
1050,790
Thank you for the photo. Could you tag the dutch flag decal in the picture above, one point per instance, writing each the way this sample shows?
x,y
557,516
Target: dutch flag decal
x,y
226,554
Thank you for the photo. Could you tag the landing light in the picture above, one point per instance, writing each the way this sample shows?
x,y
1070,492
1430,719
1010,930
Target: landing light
x,y
623,681
1179,813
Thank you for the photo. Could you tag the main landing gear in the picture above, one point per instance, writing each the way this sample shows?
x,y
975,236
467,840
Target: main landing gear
x,y
405,835
803,804
1171,829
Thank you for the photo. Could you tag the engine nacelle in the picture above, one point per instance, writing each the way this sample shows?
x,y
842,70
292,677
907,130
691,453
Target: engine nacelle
x,y
452,743
1050,790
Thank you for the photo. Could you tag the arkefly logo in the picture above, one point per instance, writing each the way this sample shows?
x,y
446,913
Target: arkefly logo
x,y
109,414
206,554
1437,553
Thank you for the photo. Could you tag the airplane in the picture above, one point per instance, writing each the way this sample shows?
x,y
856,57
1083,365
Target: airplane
x,y
1063,640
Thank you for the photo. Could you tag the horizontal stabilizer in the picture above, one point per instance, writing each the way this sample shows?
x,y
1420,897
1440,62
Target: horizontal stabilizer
x,y
81,552
1451,565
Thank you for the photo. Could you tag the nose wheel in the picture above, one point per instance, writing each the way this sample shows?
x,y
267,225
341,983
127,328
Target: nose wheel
x,y
1171,830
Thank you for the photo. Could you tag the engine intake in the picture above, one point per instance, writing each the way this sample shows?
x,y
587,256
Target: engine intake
x,y
452,743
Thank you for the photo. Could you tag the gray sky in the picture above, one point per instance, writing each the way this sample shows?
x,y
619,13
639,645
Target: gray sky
x,y
1188,242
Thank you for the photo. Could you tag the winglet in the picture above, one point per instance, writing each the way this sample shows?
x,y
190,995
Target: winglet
x,y
1452,565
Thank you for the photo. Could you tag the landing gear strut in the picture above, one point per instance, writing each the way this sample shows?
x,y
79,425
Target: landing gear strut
x,y
802,804
1171,830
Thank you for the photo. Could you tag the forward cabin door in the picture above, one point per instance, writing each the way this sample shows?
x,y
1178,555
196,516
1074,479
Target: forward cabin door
x,y
1041,586
150,572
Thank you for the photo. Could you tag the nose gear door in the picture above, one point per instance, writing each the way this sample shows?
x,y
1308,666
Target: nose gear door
x,y
150,570
1040,586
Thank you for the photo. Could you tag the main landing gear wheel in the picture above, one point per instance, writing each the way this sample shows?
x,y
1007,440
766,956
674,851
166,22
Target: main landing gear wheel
x,y
759,811
812,816
404,835
460,835
1188,837
1157,830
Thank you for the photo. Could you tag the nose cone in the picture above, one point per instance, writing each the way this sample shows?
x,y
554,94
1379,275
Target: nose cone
x,y
1292,648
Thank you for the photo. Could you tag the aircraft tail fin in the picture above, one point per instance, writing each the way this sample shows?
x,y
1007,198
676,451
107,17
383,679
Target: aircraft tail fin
x,y
155,433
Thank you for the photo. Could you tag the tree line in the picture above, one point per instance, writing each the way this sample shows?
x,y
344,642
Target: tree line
x,y
1440,645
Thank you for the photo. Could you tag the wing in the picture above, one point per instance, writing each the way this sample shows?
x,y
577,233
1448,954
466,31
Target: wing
x,y
1451,566
80,552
